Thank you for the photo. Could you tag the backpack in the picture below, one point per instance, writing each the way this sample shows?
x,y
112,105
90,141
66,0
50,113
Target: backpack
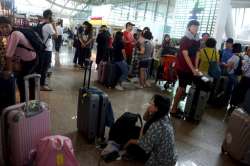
x,y
238,70
54,151
125,128
34,38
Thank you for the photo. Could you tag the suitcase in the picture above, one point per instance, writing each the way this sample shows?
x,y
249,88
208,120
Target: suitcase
x,y
7,91
100,72
219,96
92,105
112,75
23,125
195,104
197,98
237,141
246,103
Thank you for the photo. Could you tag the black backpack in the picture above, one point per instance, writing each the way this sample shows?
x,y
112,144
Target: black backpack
x,y
39,29
34,39
125,128
238,70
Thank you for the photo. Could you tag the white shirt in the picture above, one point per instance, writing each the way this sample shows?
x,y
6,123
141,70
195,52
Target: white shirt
x,y
59,30
48,31
246,66
235,59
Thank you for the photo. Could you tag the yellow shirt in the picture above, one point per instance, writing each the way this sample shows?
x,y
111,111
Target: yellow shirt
x,y
204,63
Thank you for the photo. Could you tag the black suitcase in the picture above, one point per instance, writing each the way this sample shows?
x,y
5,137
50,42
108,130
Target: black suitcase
x,y
92,105
7,91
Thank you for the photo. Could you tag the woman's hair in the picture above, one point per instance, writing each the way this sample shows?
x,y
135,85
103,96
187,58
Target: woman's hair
x,y
246,48
211,43
146,29
5,20
193,22
117,38
147,35
47,14
164,42
237,48
162,104
89,28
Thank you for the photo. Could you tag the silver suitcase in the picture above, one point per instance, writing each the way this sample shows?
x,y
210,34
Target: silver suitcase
x,y
196,104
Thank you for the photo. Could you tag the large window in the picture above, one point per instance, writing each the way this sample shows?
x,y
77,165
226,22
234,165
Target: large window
x,y
241,23
205,11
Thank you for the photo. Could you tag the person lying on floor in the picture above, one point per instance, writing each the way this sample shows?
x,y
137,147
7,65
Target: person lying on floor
x,y
156,143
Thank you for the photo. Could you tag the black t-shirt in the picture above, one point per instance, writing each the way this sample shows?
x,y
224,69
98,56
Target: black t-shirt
x,y
118,47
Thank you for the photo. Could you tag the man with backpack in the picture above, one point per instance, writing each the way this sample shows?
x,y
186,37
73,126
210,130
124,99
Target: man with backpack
x,y
19,57
47,31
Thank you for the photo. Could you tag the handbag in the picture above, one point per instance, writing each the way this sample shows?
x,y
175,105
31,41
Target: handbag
x,y
214,69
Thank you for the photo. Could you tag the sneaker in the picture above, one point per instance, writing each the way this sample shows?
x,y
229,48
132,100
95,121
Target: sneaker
x,y
119,87
139,86
45,88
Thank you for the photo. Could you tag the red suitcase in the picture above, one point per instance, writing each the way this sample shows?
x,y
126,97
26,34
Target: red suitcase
x,y
23,125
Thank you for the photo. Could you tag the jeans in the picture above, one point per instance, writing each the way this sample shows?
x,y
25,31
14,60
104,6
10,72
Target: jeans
x,y
44,63
124,69
232,82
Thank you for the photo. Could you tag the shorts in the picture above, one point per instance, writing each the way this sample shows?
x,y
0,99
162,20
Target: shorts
x,y
185,78
144,63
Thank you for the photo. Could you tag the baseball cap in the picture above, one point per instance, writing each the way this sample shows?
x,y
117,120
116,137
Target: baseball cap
x,y
230,40
130,23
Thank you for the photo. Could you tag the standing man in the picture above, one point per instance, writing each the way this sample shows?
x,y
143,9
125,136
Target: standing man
x,y
48,32
129,42
185,63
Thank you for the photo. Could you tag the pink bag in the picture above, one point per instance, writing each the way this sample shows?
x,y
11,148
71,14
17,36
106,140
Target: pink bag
x,y
55,151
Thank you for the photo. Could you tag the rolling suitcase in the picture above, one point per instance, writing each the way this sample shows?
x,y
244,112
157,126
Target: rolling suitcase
x,y
92,105
246,103
7,91
237,141
23,125
100,73
197,98
112,75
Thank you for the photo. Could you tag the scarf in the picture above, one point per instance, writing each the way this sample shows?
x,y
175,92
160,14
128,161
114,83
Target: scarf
x,y
190,36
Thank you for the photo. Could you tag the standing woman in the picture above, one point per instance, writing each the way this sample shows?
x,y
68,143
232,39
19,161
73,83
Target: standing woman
x,y
145,58
58,40
78,47
86,41
119,57
19,60
185,63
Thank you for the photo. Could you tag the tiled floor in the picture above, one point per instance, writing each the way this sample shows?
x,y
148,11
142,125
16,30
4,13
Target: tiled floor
x,y
197,145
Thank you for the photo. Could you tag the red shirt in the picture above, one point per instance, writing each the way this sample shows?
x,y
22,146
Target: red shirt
x,y
128,37
192,46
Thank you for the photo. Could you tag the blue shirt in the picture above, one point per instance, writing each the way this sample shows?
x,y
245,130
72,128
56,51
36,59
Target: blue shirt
x,y
227,54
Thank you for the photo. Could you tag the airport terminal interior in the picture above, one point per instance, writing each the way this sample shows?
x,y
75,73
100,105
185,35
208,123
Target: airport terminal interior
x,y
85,32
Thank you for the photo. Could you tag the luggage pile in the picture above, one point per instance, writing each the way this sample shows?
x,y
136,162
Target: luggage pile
x,y
26,124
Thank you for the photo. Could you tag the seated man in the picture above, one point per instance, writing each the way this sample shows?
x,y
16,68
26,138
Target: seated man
x,y
157,137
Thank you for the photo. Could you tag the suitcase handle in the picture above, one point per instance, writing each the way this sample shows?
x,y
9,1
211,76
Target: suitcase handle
x,y
37,87
88,66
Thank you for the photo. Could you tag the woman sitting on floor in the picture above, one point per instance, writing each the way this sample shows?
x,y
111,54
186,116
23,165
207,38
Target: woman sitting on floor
x,y
156,143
